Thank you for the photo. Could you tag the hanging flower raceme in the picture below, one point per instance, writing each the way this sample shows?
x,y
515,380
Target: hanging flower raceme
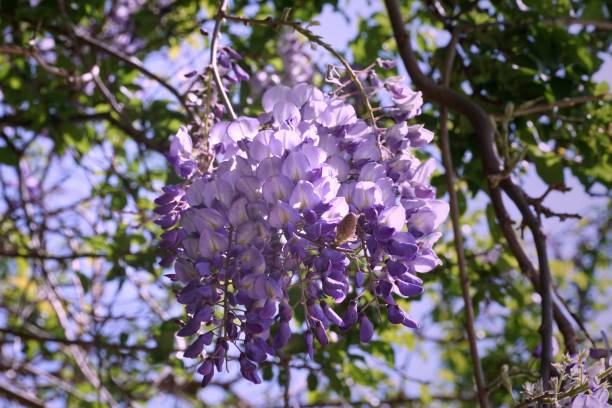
x,y
307,202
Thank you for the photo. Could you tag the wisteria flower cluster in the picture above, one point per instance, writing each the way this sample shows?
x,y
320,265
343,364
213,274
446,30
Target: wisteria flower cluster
x,y
305,197
581,383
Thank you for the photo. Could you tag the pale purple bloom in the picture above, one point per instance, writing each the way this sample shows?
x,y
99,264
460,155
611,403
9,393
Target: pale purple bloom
x,y
180,154
291,192
366,330
366,194
407,102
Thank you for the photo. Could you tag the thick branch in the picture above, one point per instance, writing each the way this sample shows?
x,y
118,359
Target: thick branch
x,y
484,132
457,237
527,268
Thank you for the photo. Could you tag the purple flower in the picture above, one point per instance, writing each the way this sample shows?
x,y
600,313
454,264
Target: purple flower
x,y
407,102
366,194
366,330
290,199
180,154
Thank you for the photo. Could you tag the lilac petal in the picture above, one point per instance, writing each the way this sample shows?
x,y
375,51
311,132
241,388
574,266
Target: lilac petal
x,y
316,312
282,335
402,249
359,278
277,188
282,214
337,211
247,233
208,337
331,315
309,345
295,166
340,167
336,289
424,172
326,188
350,316
288,138
398,316
195,348
204,314
269,167
338,113
396,268
366,330
321,334
286,114
315,155
212,243
300,94
207,379
255,352
366,194
304,196
273,95
425,261
190,328
408,289
428,218
209,218
383,288
394,217
238,212
249,187
241,74
372,172
217,132
248,370
268,310
419,136
181,144
219,190
285,312
207,367
410,278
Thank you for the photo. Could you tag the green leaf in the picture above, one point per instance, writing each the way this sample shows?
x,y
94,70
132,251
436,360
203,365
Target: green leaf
x,y
312,381
550,169
7,156
602,88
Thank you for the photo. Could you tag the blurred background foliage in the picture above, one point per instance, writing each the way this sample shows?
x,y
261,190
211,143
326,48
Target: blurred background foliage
x,y
91,92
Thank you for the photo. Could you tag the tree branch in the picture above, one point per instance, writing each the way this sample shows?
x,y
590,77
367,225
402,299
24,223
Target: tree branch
x,y
563,103
136,64
88,344
20,395
457,237
491,162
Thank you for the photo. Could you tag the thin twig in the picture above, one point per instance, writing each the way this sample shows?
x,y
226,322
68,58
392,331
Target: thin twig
x,y
561,104
135,63
317,40
213,60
